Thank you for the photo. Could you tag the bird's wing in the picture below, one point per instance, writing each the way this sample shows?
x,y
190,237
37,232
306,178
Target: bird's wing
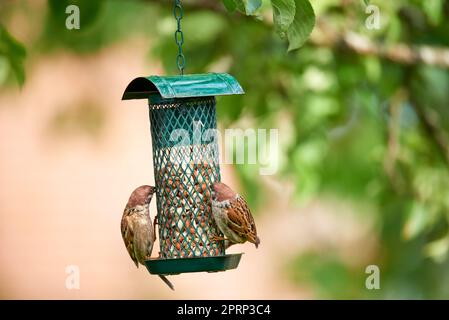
x,y
143,239
241,220
128,237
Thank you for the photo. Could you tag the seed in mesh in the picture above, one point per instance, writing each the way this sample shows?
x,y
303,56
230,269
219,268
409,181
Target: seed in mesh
x,y
185,192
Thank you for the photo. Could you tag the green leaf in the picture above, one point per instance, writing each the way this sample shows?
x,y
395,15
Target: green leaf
x,y
283,15
416,221
438,249
367,2
230,5
252,6
434,10
248,7
14,52
302,25
4,69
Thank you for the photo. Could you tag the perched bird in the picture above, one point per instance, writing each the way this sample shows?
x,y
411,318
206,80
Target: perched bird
x,y
233,217
138,231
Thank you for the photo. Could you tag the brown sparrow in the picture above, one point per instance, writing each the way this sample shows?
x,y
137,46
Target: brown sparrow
x,y
138,231
233,217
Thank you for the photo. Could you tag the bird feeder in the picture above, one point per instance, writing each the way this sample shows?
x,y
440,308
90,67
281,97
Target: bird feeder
x,y
186,164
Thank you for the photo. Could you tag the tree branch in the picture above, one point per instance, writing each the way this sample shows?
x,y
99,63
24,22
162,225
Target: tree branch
x,y
213,5
394,144
326,35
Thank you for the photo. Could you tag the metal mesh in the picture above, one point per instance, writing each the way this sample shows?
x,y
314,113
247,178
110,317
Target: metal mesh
x,y
185,156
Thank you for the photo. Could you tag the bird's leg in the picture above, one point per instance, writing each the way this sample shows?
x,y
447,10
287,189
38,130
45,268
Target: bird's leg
x,y
154,228
228,244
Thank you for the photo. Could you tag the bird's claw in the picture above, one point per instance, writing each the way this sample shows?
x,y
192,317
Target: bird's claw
x,y
216,238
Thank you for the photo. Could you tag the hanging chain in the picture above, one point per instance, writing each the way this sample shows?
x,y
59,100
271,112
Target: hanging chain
x,y
179,36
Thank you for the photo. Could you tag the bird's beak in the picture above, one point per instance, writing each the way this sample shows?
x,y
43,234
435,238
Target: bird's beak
x,y
150,196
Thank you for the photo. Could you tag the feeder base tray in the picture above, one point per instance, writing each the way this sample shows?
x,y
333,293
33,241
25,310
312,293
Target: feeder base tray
x,y
197,264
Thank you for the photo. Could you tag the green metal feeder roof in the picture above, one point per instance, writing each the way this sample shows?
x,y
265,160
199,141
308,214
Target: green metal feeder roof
x,y
183,86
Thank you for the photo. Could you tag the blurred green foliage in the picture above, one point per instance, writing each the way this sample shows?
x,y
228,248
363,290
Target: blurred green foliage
x,y
330,277
360,127
85,118
101,23
12,56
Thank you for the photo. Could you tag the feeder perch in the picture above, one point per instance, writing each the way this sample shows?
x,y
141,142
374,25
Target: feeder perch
x,y
186,163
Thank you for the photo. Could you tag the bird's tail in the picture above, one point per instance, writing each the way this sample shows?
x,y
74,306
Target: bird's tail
x,y
167,282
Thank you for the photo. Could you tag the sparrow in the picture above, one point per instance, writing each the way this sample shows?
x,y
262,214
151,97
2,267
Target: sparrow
x,y
138,232
233,217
